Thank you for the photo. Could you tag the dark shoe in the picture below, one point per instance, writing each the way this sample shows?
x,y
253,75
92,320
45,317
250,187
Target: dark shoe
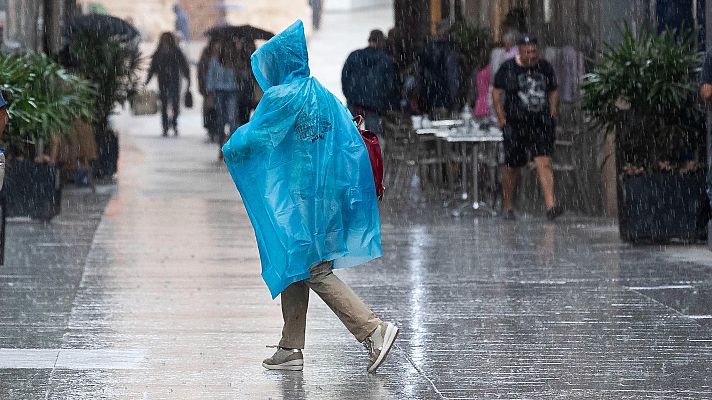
x,y
285,360
165,133
379,344
509,215
555,212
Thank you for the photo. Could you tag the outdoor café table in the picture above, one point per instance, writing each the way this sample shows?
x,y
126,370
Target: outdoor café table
x,y
475,138
439,134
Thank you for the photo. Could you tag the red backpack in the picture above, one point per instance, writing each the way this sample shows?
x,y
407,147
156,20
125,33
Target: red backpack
x,y
374,154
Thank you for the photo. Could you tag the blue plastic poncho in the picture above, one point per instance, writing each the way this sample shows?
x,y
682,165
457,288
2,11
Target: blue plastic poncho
x,y
303,170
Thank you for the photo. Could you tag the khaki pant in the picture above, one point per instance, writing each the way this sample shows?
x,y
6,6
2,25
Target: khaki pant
x,y
351,310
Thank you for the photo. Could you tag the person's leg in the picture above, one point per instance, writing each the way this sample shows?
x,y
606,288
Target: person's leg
x,y
163,96
243,112
545,171
543,136
220,117
295,302
351,310
510,176
515,157
231,115
175,107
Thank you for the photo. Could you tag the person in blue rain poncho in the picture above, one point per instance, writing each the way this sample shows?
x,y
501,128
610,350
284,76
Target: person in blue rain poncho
x,y
305,178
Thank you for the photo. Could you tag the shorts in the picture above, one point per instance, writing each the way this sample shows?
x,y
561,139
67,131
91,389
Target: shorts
x,y
526,141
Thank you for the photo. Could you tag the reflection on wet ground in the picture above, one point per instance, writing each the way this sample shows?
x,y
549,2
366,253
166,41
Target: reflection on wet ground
x,y
167,302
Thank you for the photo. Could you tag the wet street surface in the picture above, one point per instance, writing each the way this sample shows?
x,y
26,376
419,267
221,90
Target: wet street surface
x,y
151,290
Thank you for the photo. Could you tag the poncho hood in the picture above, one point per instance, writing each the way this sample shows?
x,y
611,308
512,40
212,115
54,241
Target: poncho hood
x,y
282,59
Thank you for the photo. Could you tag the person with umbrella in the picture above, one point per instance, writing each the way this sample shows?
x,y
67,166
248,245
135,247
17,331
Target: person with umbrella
x,y
305,178
221,83
210,117
169,64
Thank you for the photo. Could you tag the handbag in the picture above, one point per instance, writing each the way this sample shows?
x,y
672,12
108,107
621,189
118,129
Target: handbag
x,y
145,102
188,100
374,154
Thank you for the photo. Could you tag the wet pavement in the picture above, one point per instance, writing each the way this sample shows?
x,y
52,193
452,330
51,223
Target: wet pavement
x,y
151,290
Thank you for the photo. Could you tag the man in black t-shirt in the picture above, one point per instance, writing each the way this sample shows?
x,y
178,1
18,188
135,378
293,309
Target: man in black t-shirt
x,y
526,101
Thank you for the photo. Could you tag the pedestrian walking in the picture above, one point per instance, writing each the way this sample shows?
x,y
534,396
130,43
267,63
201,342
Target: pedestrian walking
x,y
169,64
245,82
439,75
316,6
182,25
305,178
370,82
222,85
706,94
210,118
526,102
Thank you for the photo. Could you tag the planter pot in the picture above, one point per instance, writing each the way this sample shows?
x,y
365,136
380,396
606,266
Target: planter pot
x,y
107,144
32,190
659,208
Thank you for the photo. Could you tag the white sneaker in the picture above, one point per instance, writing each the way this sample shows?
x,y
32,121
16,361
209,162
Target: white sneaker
x,y
285,359
379,344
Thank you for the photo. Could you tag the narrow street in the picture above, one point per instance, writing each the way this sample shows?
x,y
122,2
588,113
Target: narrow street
x,y
158,295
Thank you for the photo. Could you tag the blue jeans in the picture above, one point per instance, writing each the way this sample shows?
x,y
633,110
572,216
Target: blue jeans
x,y
226,108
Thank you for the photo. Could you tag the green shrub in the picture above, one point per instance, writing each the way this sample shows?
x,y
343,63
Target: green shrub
x,y
645,90
112,63
43,99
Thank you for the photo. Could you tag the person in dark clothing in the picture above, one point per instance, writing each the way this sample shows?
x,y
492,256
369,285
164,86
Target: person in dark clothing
x,y
169,64
245,81
182,22
370,81
706,95
526,101
439,75
316,6
210,117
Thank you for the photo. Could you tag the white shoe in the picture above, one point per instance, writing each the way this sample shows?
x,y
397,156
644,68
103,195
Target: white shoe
x,y
379,344
286,360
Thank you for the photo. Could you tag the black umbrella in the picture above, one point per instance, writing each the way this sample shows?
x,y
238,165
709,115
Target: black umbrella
x,y
247,32
101,23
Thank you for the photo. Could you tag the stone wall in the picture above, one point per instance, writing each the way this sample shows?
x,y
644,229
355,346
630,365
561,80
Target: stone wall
x,y
273,15
151,17
202,17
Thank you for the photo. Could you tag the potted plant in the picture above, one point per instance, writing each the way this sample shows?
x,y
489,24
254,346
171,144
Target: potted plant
x,y
111,61
43,99
644,92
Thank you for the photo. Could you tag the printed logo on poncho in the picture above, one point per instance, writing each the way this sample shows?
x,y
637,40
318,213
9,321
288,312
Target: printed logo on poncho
x,y
311,129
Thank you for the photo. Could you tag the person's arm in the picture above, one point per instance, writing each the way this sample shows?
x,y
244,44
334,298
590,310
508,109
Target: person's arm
x,y
706,91
554,103
499,84
347,78
151,70
706,78
4,118
552,89
185,68
498,100
202,74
